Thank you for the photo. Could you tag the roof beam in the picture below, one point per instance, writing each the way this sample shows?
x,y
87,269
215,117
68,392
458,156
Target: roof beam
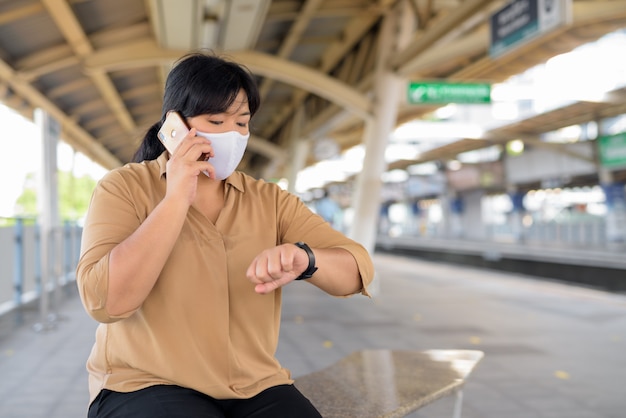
x,y
68,24
147,53
20,13
266,148
67,88
354,32
294,35
422,40
76,136
584,12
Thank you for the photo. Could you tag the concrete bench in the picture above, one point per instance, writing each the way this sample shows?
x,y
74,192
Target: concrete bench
x,y
388,383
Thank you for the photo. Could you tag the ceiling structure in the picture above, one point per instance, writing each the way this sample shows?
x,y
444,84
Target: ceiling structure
x,y
98,66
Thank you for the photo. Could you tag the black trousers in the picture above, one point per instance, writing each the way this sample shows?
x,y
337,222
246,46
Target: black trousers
x,y
168,401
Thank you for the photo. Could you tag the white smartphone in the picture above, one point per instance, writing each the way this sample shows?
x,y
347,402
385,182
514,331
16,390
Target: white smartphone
x,y
173,130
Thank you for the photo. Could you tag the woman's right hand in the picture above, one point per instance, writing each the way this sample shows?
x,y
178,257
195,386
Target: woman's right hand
x,y
185,165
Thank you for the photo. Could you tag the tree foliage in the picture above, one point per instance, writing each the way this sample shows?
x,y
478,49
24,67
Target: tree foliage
x,y
74,196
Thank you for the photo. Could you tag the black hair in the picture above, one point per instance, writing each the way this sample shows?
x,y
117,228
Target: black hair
x,y
199,83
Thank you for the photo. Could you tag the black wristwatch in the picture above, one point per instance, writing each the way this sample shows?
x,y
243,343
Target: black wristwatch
x,y
306,274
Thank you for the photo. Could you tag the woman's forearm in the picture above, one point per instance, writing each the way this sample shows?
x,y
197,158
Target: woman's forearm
x,y
337,273
136,262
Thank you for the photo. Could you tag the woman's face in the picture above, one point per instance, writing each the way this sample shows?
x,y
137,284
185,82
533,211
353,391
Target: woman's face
x,y
236,118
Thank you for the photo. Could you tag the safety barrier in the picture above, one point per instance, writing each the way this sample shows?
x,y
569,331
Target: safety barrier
x,y
23,275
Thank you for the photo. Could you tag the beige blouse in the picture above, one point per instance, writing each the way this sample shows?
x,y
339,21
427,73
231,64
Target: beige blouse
x,y
202,326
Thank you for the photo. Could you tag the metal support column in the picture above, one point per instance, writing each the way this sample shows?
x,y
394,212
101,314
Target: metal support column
x,y
48,215
366,200
299,150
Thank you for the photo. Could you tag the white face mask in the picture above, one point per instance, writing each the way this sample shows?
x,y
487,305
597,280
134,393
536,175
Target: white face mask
x,y
228,148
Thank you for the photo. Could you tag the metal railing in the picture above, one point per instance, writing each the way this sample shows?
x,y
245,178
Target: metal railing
x,y
23,275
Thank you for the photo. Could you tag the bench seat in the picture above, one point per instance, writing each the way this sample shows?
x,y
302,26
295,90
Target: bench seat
x,y
388,383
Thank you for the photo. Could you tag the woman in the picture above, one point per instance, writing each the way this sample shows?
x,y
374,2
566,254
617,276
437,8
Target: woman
x,y
183,260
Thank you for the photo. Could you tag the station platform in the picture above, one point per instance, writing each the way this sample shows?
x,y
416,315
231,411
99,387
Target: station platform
x,y
552,350
600,266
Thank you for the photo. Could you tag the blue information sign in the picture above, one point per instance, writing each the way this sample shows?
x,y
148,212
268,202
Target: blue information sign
x,y
523,20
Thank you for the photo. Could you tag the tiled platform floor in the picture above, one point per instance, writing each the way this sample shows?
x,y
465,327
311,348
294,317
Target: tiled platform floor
x,y
551,350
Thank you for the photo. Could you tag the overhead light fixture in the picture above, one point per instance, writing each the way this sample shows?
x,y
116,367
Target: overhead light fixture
x,y
454,165
242,23
515,147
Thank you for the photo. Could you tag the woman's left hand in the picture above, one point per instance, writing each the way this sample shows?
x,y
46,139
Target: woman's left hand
x,y
277,266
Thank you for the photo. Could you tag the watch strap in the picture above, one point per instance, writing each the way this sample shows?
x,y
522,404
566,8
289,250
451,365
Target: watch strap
x,y
306,274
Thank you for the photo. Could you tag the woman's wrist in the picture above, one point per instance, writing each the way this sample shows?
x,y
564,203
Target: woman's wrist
x,y
175,205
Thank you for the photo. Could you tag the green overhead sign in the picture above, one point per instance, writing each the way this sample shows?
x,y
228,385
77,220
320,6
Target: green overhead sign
x,y
442,92
613,150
